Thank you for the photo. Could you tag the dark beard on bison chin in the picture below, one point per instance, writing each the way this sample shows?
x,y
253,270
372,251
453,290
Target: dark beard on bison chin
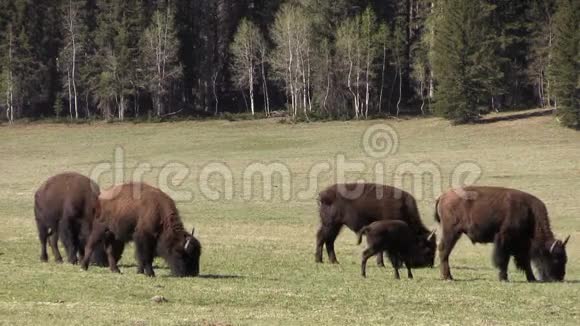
x,y
181,267
542,265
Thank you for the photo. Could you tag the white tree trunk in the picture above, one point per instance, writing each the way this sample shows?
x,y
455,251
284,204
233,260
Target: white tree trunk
x,y
74,59
251,78
400,90
265,86
382,78
10,93
68,83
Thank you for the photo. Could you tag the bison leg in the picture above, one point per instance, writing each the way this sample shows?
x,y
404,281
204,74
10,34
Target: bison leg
x,y
523,262
396,266
409,273
320,239
501,258
54,246
43,237
326,236
447,243
145,251
95,239
380,260
331,237
112,249
367,253
68,239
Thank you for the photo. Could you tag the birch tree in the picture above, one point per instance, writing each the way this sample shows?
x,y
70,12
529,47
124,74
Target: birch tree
x,y
6,76
357,51
247,55
160,56
69,54
291,58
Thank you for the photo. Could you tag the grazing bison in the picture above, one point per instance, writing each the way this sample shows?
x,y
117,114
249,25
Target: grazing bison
x,y
146,215
65,206
516,222
400,243
358,205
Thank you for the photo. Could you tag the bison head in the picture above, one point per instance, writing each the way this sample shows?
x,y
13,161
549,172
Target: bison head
x,y
553,267
423,253
184,260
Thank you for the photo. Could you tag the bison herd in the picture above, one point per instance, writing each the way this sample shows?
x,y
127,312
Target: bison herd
x,y
94,226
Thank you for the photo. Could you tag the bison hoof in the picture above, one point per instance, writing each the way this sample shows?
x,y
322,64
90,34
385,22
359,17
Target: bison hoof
x,y
43,259
58,260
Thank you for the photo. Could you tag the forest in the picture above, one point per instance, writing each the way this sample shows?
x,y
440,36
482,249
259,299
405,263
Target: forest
x,y
308,59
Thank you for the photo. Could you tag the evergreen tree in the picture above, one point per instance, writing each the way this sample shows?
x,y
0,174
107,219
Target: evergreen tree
x,y
566,63
464,61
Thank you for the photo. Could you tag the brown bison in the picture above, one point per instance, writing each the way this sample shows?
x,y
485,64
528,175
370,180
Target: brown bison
x,y
65,206
516,222
399,242
359,204
144,214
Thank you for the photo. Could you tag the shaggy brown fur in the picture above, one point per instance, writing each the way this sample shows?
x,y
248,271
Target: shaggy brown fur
x,y
146,215
515,221
400,243
65,205
358,205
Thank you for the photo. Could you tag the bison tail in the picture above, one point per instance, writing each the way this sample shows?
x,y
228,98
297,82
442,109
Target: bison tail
x,y
436,216
360,234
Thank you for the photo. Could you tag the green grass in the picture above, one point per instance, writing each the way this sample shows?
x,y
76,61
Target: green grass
x,y
258,257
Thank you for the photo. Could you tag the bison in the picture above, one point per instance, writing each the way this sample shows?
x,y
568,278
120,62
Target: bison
x,y
359,204
400,243
516,222
146,215
65,206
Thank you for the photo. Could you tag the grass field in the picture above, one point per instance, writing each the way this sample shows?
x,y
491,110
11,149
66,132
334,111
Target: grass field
x,y
258,254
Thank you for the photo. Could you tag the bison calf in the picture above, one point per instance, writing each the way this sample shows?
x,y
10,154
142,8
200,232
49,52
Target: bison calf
x,y
147,216
401,244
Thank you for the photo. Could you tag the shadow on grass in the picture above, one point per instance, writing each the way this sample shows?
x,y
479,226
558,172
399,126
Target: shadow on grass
x,y
135,266
469,268
220,277
472,279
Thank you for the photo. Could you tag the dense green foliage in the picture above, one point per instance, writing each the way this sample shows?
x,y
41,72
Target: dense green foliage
x,y
566,63
340,59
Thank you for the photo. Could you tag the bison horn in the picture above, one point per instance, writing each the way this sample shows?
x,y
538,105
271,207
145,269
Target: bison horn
x,y
431,235
192,230
566,241
187,243
553,245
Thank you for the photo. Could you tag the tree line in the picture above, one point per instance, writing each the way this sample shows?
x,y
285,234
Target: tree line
x,y
341,59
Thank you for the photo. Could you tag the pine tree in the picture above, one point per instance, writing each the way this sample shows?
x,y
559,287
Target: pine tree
x,y
566,63
464,61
